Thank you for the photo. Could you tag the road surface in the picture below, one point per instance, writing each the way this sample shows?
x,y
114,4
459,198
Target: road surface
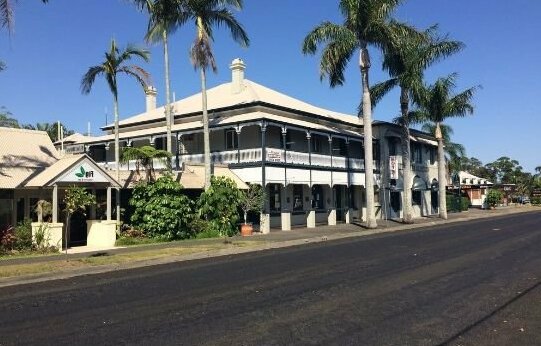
x,y
469,283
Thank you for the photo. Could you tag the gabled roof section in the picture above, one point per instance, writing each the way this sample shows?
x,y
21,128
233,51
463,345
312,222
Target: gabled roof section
x,y
470,179
26,148
74,138
23,154
222,97
72,169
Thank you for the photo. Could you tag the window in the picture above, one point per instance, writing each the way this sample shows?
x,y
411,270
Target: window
x,y
375,150
297,197
342,148
416,156
432,155
274,198
316,144
416,197
391,142
317,197
98,153
288,143
231,140
159,143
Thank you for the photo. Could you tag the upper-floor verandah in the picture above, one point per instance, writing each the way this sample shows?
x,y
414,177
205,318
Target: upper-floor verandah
x,y
250,143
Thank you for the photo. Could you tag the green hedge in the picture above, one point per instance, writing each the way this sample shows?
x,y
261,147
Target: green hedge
x,y
452,203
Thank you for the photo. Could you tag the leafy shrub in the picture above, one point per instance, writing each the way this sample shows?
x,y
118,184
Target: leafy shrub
x,y
453,203
7,239
209,233
219,205
198,226
23,235
41,240
494,198
536,200
41,237
161,210
464,203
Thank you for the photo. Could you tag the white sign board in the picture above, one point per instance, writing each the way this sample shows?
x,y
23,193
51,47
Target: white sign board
x,y
274,155
83,173
393,167
75,149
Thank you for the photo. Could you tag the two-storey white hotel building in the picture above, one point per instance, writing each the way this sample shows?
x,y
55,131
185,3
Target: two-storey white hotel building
x,y
309,159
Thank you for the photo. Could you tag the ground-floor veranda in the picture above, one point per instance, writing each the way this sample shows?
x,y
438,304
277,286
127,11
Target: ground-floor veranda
x,y
300,205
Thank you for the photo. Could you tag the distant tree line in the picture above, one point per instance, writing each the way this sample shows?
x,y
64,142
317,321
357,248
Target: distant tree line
x,y
7,120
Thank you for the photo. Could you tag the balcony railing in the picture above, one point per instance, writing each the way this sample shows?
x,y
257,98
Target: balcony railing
x,y
273,155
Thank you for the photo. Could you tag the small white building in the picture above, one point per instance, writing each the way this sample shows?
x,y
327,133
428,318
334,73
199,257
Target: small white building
x,y
310,159
475,187
32,170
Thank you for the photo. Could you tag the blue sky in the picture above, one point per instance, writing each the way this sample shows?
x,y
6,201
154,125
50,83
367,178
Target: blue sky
x,y
53,46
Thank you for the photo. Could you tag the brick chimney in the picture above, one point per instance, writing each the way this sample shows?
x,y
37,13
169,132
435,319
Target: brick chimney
x,y
151,93
237,76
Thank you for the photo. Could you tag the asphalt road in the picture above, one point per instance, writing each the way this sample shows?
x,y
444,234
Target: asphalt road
x,y
451,285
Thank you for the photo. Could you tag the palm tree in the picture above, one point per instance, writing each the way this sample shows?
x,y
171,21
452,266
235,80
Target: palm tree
x,y
6,20
538,172
454,153
50,128
113,66
437,103
366,23
145,156
207,14
164,18
7,119
406,59
6,14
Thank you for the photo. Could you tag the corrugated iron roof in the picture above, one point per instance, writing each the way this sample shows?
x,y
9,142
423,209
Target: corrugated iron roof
x,y
23,155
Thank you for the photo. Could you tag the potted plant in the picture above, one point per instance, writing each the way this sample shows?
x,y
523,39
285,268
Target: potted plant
x,y
252,200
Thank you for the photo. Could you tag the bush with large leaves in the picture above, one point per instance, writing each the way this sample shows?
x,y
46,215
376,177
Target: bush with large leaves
x,y
161,210
219,205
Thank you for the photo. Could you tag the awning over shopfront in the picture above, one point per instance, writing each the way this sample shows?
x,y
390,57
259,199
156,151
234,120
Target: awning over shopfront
x,y
193,176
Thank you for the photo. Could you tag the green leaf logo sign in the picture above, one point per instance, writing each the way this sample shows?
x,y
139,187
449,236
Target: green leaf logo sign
x,y
81,173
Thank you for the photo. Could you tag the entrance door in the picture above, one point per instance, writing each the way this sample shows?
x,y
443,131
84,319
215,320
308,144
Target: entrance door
x,y
77,229
395,204
340,202
434,201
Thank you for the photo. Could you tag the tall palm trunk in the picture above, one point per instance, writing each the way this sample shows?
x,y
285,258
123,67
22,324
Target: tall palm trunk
x,y
117,159
206,133
406,156
442,180
364,63
168,119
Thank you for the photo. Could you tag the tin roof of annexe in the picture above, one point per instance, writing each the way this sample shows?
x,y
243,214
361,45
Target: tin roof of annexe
x,y
23,155
221,98
28,158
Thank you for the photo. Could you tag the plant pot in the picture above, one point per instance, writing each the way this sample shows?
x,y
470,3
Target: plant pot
x,y
246,230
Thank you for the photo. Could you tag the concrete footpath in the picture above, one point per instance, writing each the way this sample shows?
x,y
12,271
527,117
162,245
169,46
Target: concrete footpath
x,y
24,270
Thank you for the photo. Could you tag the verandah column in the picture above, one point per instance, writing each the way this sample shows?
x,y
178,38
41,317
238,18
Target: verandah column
x,y
331,218
284,206
264,226
348,188
238,131
55,204
311,217
109,203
